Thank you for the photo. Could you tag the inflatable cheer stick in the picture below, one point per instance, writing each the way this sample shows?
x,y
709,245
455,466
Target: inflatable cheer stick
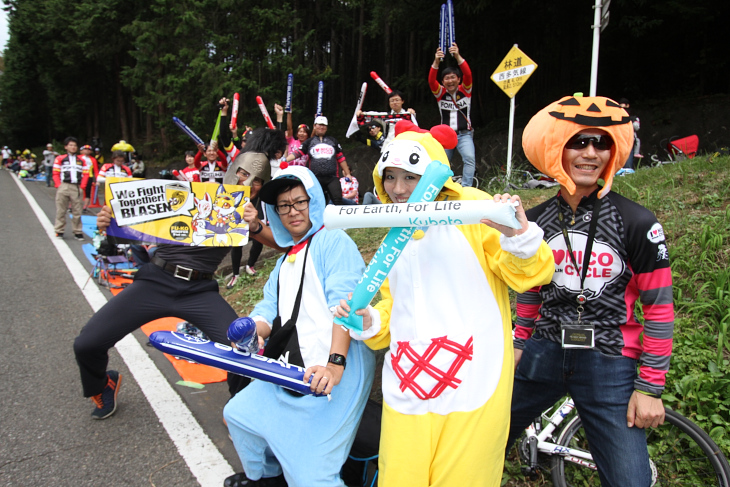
x,y
354,127
188,131
216,129
289,91
443,30
265,112
220,356
420,214
234,112
320,97
427,189
450,16
382,84
180,176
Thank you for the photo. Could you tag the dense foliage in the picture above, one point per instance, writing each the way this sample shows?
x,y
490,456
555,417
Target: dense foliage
x,y
122,68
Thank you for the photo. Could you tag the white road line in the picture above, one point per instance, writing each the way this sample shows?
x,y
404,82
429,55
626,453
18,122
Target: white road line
x,y
201,455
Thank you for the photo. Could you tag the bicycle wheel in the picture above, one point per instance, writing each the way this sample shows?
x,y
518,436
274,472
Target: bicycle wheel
x,y
681,451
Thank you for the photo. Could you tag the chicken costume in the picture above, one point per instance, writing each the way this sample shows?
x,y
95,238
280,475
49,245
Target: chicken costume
x,y
445,316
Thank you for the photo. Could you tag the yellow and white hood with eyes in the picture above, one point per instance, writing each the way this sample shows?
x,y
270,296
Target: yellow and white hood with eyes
x,y
412,150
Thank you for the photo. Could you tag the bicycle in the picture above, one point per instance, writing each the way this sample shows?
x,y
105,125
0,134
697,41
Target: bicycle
x,y
681,453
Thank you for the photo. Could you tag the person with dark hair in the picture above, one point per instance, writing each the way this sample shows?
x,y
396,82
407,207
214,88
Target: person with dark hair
x,y
294,141
93,174
190,173
385,120
70,175
580,334
375,137
283,437
454,100
98,156
138,168
215,164
325,159
178,281
445,318
260,141
116,168
396,101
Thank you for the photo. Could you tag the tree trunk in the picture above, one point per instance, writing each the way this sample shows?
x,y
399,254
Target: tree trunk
x,y
360,43
388,50
123,122
163,136
148,126
134,114
411,53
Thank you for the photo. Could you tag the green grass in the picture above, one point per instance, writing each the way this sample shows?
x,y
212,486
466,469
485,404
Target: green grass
x,y
690,199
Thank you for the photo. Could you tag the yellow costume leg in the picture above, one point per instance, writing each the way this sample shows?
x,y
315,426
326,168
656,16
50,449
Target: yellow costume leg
x,y
461,449
407,444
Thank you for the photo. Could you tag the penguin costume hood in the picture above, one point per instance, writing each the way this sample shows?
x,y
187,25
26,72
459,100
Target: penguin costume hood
x,y
545,136
412,150
271,190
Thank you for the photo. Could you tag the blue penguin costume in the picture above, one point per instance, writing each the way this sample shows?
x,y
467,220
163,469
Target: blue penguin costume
x,y
274,431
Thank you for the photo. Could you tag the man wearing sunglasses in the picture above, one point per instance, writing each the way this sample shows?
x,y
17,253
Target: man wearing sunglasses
x,y
579,334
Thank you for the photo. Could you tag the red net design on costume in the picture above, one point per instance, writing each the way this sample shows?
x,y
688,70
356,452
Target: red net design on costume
x,y
422,363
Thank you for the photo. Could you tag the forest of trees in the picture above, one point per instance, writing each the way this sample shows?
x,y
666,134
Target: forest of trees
x,y
121,69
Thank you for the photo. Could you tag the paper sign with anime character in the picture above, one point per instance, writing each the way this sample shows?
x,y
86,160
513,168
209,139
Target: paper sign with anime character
x,y
177,212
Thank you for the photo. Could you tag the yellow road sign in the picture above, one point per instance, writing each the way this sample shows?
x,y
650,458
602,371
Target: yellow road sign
x,y
513,71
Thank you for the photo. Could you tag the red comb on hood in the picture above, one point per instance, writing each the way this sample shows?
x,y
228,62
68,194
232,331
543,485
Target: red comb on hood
x,y
444,134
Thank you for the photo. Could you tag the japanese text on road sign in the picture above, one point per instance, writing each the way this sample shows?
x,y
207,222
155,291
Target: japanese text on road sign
x,y
513,71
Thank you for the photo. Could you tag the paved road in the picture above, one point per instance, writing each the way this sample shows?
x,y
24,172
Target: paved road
x,y
47,435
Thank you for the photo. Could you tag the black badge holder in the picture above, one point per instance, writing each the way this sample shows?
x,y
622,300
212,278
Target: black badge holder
x,y
579,333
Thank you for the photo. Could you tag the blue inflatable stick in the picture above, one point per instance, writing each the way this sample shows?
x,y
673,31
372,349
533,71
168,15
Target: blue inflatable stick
x,y
289,90
320,97
187,130
427,189
224,357
443,30
452,27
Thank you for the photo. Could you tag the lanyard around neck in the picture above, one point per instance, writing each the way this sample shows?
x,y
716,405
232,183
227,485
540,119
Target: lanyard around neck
x,y
581,298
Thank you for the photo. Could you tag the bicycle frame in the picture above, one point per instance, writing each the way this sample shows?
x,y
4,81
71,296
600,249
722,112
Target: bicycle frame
x,y
537,438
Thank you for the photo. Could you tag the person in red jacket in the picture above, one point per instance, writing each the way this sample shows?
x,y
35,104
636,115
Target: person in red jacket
x,y
191,173
454,99
93,173
70,176
116,168
215,164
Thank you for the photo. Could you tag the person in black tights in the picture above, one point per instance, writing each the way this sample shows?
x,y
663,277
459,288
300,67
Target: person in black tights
x,y
263,141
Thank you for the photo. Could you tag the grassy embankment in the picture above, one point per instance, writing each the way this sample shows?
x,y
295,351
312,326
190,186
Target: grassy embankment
x,y
691,200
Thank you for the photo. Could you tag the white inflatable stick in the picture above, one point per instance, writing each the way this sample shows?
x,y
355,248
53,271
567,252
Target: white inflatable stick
x,y
420,214
354,127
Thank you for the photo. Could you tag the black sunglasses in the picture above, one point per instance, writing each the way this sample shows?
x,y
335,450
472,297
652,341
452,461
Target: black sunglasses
x,y
581,141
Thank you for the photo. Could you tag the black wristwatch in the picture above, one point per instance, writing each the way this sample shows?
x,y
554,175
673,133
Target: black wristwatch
x,y
337,359
260,229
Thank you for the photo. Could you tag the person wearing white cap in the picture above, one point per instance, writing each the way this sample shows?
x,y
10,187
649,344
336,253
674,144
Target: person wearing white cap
x,y
325,160
49,155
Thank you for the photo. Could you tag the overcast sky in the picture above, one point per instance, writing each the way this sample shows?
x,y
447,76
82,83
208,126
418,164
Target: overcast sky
x,y
3,29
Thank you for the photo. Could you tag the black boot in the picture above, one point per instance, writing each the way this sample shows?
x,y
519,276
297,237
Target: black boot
x,y
277,481
239,480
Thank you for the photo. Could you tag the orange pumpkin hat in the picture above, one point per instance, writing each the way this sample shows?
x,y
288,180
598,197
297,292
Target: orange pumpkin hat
x,y
550,129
